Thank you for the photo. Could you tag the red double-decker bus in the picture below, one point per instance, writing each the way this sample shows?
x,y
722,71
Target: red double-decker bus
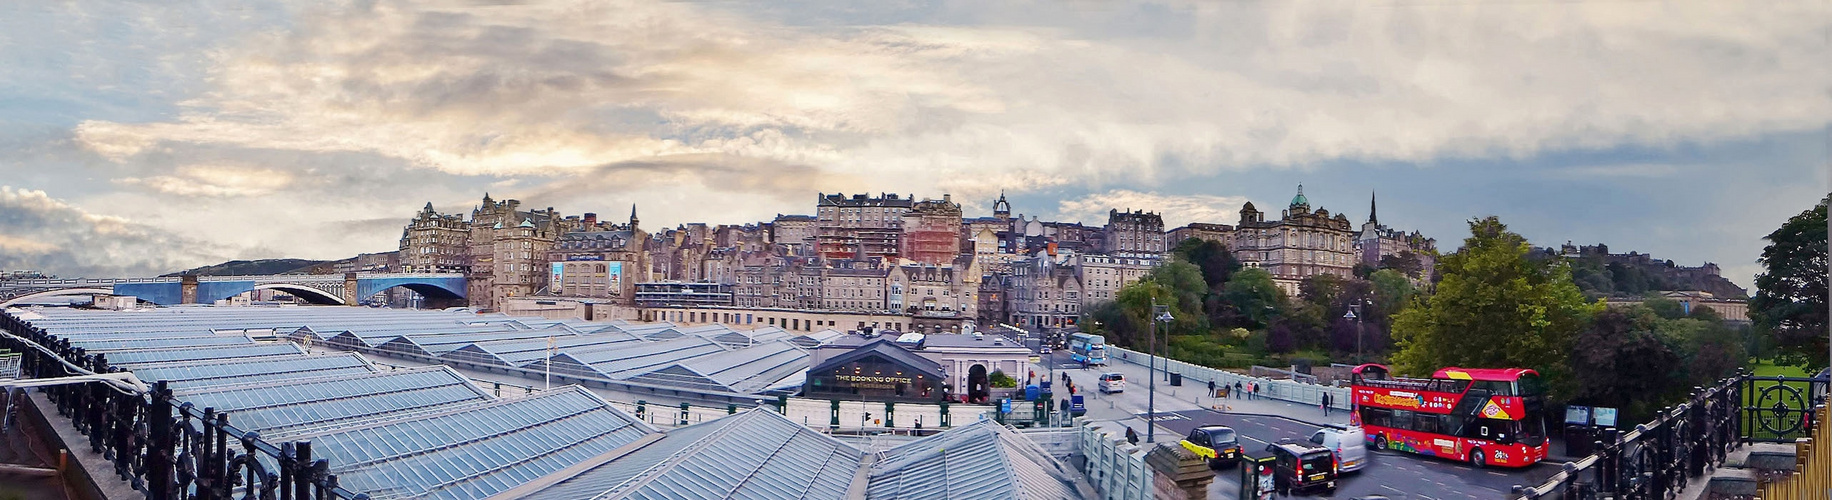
x,y
1481,416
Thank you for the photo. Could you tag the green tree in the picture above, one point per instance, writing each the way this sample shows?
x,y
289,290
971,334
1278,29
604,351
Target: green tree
x,y
1790,302
1621,361
1493,308
1406,262
1211,257
1253,297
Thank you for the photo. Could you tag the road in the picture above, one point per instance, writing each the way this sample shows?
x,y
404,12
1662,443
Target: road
x,y
1394,474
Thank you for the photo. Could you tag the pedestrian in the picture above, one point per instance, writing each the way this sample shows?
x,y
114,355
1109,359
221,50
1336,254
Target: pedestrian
x,y
1256,390
1325,404
1237,389
1132,436
1211,388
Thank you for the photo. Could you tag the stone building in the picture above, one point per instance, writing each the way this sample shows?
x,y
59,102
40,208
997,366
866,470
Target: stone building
x,y
932,231
860,288
496,269
1219,233
1376,241
930,290
1133,232
860,225
434,243
795,232
599,263
1102,276
1043,292
1299,245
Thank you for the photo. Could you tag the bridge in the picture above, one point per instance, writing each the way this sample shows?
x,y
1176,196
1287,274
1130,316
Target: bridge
x,y
440,290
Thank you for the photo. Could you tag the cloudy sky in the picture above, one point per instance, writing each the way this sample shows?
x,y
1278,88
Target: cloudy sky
x,y
146,137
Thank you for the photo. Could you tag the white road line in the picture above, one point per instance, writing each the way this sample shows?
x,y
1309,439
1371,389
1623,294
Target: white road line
x,y
1392,489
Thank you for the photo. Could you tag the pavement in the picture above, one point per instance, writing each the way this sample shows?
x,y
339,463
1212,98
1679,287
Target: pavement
x,y
1262,421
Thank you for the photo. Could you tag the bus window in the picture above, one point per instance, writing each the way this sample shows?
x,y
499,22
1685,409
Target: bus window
x,y
1496,387
1402,419
1428,423
1379,417
1450,386
1488,428
1531,385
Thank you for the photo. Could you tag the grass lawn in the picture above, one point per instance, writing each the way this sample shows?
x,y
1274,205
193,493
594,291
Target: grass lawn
x,y
1768,369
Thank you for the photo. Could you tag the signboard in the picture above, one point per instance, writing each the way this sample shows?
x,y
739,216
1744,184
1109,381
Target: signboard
x,y
559,272
1577,415
1005,406
1604,417
614,272
584,257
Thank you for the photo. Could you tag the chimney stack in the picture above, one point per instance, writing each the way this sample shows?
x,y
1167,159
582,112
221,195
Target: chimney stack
x,y
591,220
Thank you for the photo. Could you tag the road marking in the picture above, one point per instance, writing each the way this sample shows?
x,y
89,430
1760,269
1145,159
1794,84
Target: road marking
x,y
1499,474
1392,489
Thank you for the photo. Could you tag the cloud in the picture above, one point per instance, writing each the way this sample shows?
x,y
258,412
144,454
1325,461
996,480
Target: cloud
x,y
1631,170
215,181
42,233
1178,210
561,88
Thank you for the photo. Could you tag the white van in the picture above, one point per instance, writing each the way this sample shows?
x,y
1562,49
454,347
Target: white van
x,y
1112,382
1350,446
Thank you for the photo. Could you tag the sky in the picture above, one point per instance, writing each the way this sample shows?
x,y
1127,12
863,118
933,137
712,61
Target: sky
x,y
139,138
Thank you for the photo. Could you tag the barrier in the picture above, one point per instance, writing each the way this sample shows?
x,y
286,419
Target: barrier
x,y
1114,466
1284,390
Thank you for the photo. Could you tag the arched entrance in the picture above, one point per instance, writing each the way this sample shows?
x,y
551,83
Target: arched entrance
x,y
977,388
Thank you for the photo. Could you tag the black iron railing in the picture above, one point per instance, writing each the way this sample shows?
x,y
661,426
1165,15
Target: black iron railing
x,y
165,448
1655,460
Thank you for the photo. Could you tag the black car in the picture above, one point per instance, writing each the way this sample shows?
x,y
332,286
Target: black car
x,y
1302,467
1216,443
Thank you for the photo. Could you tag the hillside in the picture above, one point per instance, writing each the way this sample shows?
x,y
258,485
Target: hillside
x,y
249,267
1602,274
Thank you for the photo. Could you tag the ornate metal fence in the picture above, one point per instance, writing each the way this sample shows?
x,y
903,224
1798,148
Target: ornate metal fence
x,y
1655,460
167,449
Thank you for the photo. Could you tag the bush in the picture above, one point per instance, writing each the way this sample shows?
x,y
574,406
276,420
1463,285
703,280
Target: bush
x,y
1001,380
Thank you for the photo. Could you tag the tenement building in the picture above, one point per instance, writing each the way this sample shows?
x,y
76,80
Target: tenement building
x,y
860,226
932,231
1134,232
1219,233
434,243
1044,292
1377,241
1299,245
599,263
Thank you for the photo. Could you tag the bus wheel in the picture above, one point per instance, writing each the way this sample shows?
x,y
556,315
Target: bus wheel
x,y
1380,443
1477,459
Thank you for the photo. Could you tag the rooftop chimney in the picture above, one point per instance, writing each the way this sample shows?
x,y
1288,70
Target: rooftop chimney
x,y
591,220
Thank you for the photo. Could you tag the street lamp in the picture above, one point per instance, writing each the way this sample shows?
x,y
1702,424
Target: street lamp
x,y
1159,313
1355,308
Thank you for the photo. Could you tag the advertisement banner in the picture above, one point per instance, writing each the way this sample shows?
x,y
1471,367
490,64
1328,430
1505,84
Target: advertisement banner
x,y
614,273
559,272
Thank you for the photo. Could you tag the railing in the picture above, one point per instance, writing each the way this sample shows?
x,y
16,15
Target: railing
x,y
1114,465
1285,390
167,449
1655,460
1812,477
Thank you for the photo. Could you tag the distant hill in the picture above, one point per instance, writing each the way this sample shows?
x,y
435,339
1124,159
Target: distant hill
x,y
249,267
1602,274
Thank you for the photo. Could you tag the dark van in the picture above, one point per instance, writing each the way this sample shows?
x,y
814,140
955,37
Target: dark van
x,y
1303,467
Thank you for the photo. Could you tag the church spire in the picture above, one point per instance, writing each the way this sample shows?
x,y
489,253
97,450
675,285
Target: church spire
x,y
633,216
1371,218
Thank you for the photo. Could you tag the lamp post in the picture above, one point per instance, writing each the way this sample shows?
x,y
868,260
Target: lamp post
x,y
1354,308
1159,313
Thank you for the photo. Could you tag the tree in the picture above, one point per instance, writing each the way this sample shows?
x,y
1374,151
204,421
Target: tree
x,y
1790,302
1621,361
1321,289
1217,264
1253,297
1406,262
1494,308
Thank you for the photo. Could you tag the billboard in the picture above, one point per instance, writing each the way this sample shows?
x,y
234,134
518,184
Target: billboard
x,y
559,272
613,273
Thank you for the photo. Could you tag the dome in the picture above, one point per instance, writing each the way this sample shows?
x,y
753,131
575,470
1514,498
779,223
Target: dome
x,y
1300,199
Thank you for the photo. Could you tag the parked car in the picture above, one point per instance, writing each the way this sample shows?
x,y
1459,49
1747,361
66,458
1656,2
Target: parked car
x,y
1300,467
1112,382
1216,443
1350,446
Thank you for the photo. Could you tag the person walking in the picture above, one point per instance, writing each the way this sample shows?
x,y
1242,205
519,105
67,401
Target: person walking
x,y
1256,390
1325,404
1237,390
1211,388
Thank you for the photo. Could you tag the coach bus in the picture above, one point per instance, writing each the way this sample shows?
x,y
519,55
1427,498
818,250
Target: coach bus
x,y
1088,349
1480,416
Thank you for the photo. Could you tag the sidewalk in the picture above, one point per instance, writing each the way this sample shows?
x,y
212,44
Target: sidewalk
x,y
1192,395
